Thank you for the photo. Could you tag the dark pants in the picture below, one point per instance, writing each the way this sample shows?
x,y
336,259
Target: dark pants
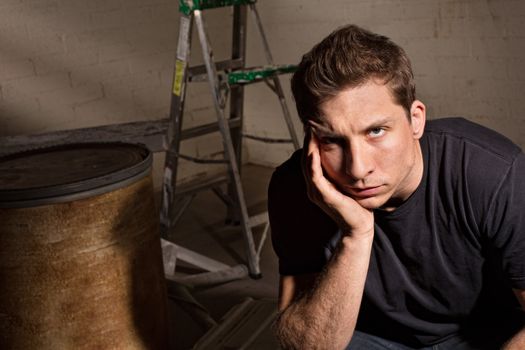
x,y
364,341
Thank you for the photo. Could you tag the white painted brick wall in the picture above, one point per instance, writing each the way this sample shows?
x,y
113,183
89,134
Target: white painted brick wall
x,y
468,55
74,63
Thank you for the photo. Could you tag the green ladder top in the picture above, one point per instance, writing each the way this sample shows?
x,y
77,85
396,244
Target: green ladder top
x,y
247,76
188,6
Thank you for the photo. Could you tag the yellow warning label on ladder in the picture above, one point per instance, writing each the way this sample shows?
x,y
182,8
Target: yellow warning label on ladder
x,y
178,78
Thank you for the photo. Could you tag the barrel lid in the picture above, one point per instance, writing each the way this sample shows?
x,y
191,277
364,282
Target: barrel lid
x,y
69,172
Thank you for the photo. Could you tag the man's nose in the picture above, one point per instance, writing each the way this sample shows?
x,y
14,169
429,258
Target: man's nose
x,y
358,162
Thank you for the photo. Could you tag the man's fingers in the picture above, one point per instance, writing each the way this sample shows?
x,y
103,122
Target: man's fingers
x,y
314,169
344,210
306,145
322,189
315,158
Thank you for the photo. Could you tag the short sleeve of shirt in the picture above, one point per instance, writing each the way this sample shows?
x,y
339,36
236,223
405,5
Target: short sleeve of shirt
x,y
505,223
492,169
301,231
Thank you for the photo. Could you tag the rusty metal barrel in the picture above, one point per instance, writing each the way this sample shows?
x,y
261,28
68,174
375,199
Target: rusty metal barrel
x,y
80,256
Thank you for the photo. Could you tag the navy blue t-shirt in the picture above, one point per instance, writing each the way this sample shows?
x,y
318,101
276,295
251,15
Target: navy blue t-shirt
x,y
444,262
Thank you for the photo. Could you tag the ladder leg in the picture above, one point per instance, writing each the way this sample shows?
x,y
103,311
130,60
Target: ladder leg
x,y
253,259
237,99
286,113
277,82
175,125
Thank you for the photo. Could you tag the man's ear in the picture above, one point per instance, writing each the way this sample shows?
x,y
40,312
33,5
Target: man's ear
x,y
418,117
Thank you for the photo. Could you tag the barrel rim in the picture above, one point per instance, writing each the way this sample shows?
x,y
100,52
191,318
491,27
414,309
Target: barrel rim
x,y
77,190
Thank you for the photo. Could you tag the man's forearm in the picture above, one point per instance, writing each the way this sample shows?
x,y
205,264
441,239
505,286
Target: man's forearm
x,y
517,342
325,317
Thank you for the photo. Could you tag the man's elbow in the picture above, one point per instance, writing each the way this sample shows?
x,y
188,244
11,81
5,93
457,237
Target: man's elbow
x,y
294,332
290,334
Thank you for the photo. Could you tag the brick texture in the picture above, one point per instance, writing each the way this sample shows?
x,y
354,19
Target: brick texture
x,y
73,63
467,56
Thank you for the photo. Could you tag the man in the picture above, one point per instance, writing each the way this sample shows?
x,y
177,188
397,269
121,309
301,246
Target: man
x,y
393,232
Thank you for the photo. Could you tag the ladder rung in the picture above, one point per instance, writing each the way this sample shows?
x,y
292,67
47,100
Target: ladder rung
x,y
202,160
200,73
266,139
259,219
207,129
192,257
251,75
214,277
200,184
187,7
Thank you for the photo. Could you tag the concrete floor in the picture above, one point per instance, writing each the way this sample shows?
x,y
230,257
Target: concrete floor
x,y
202,229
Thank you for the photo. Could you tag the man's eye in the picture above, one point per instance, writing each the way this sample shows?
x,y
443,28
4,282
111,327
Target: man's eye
x,y
376,132
329,140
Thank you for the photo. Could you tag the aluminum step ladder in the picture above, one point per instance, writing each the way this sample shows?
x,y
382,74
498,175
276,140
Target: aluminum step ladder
x,y
226,79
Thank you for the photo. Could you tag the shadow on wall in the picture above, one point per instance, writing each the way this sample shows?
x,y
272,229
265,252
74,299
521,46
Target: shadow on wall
x,y
68,66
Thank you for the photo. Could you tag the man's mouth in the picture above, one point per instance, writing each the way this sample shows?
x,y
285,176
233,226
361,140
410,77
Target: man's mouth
x,y
364,192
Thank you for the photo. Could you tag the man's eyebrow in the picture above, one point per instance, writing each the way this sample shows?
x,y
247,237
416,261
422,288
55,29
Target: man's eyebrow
x,y
320,128
378,123
327,132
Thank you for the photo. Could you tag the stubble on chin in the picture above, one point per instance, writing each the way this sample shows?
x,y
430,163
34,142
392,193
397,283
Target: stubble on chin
x,y
371,203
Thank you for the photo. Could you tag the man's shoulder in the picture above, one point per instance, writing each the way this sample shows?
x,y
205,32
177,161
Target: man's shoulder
x,y
292,166
288,176
293,217
287,180
473,135
471,164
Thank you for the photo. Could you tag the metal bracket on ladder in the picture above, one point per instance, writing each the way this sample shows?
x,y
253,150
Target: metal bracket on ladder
x,y
224,78
218,271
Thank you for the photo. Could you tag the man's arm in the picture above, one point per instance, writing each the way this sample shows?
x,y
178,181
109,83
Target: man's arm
x,y
321,313
517,342
293,287
324,316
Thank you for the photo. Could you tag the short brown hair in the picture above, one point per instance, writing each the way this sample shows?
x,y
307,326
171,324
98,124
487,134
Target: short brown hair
x,y
348,57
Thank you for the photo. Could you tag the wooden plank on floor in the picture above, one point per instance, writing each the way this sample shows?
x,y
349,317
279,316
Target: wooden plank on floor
x,y
246,326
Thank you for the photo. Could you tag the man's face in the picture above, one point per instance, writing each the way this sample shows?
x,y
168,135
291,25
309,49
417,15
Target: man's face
x,y
368,147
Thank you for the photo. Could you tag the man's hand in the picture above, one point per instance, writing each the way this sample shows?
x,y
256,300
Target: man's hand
x,y
352,218
322,313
